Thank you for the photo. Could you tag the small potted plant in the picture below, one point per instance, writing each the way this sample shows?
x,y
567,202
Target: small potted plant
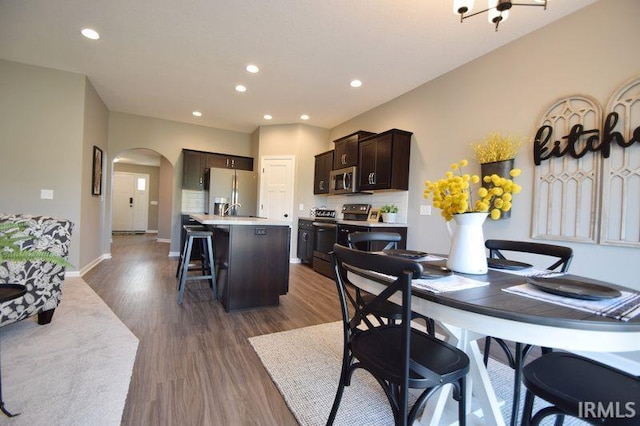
x,y
389,212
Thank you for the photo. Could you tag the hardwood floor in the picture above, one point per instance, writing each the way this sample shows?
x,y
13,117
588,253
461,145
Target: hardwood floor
x,y
194,363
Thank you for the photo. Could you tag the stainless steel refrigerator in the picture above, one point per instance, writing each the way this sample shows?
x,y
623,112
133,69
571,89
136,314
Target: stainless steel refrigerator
x,y
230,187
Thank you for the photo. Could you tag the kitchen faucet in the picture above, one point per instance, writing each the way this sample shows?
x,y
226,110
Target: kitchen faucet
x,y
229,207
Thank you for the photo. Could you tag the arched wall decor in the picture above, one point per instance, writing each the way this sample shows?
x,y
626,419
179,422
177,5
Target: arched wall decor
x,y
621,173
565,188
587,179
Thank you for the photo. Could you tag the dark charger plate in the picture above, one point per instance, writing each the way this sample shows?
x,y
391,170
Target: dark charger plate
x,y
407,254
576,289
506,264
432,271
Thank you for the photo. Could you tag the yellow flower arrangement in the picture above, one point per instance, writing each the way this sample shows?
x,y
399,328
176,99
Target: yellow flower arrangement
x,y
455,195
496,147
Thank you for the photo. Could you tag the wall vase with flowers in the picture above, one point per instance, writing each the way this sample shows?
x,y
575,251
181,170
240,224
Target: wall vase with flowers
x,y
457,199
496,155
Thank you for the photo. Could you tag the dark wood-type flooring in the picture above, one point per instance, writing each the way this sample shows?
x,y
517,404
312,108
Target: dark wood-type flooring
x,y
194,364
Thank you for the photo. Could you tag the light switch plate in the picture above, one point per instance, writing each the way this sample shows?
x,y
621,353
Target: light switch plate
x,y
301,207
46,194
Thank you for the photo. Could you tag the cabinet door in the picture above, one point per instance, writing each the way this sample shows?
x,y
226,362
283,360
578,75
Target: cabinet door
x,y
323,167
367,164
346,154
384,161
305,245
193,170
222,161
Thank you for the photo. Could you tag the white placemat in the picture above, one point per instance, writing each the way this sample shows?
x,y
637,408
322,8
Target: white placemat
x,y
624,307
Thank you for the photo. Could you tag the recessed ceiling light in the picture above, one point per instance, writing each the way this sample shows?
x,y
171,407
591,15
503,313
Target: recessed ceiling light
x,y
355,83
196,114
268,117
304,117
241,88
89,33
252,68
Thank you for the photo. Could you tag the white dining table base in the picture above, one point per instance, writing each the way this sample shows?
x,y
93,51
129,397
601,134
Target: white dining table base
x,y
479,388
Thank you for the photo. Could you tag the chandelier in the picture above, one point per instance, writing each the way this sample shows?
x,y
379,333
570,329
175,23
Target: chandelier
x,y
498,10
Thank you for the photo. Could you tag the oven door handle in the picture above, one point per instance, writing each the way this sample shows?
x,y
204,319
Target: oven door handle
x,y
324,228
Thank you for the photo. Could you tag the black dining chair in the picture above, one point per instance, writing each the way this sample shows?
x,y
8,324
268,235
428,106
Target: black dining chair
x,y
561,258
370,241
580,387
399,356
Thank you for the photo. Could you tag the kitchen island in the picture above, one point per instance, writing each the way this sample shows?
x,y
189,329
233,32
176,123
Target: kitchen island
x,y
251,257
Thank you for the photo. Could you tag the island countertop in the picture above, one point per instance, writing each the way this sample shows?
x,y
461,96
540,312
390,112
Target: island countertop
x,y
209,219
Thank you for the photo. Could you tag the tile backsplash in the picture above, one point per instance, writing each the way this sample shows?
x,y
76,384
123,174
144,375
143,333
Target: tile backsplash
x,y
377,200
192,201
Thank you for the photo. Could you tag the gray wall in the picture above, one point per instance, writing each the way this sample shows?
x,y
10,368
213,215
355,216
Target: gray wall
x,y
591,52
49,122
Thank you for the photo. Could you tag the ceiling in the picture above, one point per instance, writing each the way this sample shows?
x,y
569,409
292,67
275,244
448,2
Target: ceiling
x,y
167,58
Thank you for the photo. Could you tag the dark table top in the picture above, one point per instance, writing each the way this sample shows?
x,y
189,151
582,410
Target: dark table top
x,y
490,300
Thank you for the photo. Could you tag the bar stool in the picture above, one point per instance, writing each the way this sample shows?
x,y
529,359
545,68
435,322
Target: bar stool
x,y
185,228
207,266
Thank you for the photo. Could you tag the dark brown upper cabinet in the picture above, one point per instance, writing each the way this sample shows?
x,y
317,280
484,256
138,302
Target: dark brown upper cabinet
x,y
193,167
346,154
223,161
384,161
323,166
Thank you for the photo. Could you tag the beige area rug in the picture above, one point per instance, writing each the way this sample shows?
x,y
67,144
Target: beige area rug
x,y
305,366
75,370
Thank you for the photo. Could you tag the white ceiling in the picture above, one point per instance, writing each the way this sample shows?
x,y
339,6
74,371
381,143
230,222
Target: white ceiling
x,y
166,58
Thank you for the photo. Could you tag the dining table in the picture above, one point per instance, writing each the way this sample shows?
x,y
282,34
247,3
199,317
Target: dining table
x,y
471,307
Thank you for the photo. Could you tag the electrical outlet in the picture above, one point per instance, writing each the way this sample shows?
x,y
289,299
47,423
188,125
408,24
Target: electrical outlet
x,y
301,207
46,194
425,210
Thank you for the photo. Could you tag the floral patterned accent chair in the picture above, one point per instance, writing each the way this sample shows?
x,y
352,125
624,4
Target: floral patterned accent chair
x,y
42,279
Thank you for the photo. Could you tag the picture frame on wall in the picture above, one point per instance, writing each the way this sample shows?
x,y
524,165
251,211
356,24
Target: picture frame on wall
x,y
96,176
374,215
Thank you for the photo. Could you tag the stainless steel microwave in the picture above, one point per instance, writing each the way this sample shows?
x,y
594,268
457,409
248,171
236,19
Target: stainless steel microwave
x,y
343,181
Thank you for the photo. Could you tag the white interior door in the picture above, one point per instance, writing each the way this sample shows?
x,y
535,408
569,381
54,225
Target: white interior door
x,y
130,201
276,187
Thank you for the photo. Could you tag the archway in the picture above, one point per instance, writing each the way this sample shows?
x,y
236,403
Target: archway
x,y
138,162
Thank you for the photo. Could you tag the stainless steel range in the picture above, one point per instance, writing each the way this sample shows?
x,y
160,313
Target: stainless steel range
x,y
326,233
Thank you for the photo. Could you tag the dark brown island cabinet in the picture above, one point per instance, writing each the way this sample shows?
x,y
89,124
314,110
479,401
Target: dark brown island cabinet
x,y
384,161
252,263
323,166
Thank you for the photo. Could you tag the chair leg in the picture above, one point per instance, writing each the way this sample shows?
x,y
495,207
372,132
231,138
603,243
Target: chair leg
x,y
185,268
487,347
518,361
45,317
528,408
212,267
462,404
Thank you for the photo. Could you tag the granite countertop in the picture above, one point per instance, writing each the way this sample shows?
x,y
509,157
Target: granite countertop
x,y
362,223
209,219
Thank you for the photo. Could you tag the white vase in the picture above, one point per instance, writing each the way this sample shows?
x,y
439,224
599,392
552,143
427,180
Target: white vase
x,y
468,254
389,217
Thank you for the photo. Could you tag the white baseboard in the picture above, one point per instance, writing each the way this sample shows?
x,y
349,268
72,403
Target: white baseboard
x,y
174,254
295,260
163,240
87,267
151,231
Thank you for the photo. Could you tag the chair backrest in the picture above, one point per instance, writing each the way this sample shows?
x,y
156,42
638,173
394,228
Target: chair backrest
x,y
562,254
391,238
